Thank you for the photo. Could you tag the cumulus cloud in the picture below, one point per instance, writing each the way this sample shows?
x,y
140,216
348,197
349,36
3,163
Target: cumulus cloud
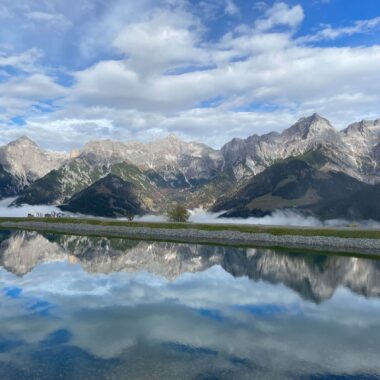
x,y
281,14
151,68
21,96
167,38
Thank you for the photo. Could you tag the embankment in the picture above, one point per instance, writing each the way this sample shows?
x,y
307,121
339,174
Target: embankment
x,y
195,234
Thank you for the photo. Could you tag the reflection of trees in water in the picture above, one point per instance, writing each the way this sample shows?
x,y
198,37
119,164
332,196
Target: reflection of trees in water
x,y
314,277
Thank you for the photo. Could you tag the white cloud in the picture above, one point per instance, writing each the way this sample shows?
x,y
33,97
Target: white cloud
x,y
281,14
22,95
274,70
161,74
331,33
164,40
231,8
26,61
34,87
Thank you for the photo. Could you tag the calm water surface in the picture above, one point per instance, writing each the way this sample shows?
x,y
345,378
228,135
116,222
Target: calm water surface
x,y
95,308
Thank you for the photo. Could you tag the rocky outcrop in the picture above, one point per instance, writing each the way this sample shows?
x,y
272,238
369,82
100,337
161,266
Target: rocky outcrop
x,y
26,161
178,164
256,153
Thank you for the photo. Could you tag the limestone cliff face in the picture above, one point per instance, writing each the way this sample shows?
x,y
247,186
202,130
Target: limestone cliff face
x,y
354,151
26,161
177,163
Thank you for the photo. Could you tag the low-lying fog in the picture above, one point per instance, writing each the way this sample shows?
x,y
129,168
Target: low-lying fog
x,y
280,217
24,210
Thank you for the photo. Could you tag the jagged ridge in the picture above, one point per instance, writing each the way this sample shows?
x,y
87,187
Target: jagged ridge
x,y
173,170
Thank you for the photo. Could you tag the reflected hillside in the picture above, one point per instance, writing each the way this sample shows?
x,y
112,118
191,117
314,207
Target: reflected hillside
x,y
21,251
313,277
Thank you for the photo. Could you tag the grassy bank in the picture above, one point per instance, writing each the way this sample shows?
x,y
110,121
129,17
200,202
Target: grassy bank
x,y
350,232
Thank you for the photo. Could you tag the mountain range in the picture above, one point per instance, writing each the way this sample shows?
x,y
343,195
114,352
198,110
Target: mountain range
x,y
310,167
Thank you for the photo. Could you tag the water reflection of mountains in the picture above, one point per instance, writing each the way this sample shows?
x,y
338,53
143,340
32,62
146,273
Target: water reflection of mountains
x,y
314,277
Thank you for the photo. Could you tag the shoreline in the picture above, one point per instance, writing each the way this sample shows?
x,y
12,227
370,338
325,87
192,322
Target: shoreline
x,y
197,234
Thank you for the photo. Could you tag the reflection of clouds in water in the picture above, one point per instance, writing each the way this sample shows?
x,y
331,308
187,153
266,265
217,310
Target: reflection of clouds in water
x,y
106,314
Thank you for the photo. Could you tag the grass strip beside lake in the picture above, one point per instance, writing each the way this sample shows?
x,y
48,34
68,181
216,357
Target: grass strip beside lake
x,y
344,232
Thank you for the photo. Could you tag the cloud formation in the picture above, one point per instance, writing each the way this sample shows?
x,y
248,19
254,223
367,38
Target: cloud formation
x,y
331,33
152,68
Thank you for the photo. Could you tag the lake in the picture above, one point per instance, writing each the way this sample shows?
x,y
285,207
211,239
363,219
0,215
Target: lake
x,y
77,307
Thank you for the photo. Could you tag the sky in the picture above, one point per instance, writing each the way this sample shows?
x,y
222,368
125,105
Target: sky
x,y
207,70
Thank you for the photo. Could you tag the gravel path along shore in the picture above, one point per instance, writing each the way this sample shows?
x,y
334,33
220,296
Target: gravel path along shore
x,y
193,235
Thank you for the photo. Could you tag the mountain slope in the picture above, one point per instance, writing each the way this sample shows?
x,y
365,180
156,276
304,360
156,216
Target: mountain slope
x,y
77,174
108,197
253,155
26,161
362,205
363,142
295,184
165,166
171,161
9,185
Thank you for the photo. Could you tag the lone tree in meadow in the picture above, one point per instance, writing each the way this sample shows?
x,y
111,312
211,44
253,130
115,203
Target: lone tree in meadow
x,y
130,217
178,213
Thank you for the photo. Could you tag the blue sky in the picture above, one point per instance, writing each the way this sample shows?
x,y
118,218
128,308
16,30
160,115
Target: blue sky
x,y
208,70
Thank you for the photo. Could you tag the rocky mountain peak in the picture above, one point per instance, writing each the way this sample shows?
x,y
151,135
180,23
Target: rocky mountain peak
x,y
309,127
363,127
24,141
169,143
104,151
102,145
26,161
363,139
173,138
